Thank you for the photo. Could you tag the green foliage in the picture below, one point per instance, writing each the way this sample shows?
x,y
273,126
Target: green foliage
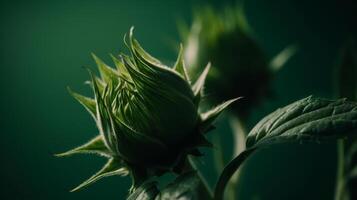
x,y
149,118
310,119
307,119
147,115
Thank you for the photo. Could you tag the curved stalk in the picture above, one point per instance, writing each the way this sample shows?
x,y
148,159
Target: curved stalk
x,y
239,135
228,172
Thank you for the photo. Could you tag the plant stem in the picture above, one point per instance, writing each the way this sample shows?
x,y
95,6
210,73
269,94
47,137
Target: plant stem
x,y
239,135
228,172
340,181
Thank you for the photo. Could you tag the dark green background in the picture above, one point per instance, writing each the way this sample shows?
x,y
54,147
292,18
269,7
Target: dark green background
x,y
43,45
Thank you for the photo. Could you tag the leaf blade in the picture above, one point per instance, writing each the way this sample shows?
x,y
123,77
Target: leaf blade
x,y
147,191
307,119
185,186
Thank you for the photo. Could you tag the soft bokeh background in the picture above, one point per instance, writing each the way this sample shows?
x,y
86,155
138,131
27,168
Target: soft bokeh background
x,y
44,45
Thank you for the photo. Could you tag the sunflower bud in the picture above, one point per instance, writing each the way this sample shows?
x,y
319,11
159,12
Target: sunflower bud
x,y
147,114
239,66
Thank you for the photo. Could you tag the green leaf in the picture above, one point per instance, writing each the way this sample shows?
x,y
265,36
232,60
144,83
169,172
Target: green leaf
x,y
309,119
147,191
111,168
197,88
283,57
305,120
228,172
186,186
88,103
94,146
180,65
209,116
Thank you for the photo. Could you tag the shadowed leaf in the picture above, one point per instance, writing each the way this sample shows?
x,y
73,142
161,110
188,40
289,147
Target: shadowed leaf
x,y
147,191
307,119
186,186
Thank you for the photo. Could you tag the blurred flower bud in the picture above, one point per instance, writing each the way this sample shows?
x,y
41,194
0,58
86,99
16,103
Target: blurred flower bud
x,y
239,66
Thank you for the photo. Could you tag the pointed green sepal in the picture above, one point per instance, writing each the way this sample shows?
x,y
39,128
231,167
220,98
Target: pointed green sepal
x,y
94,146
123,73
111,168
101,114
139,52
197,88
107,73
98,81
209,116
88,103
180,66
